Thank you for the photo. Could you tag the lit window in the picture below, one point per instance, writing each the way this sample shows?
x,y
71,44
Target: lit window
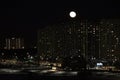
x,y
15,53
103,45
46,37
69,32
101,29
93,29
27,53
35,47
90,25
16,57
48,42
78,29
22,47
58,46
5,47
70,29
56,31
40,40
93,33
81,24
13,38
112,31
48,51
90,31
13,47
112,50
111,24
78,35
28,56
117,38
96,27
56,58
76,51
58,41
2,54
112,55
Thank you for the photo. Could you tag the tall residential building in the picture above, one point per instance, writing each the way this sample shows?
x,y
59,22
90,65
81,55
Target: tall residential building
x,y
97,39
14,43
67,39
109,38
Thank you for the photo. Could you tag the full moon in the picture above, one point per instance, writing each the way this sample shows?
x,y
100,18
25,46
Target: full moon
x,y
72,14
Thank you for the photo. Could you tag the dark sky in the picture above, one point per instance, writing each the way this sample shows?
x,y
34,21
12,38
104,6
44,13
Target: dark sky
x,y
26,17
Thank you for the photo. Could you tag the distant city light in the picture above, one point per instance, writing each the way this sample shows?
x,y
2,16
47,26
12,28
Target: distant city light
x,y
72,14
13,38
35,47
99,64
31,57
2,53
54,68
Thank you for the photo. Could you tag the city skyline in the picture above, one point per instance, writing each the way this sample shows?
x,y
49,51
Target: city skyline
x,y
28,17
99,39
60,40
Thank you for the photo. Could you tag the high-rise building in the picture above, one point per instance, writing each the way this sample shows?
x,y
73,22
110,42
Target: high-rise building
x,y
98,39
109,38
14,43
65,39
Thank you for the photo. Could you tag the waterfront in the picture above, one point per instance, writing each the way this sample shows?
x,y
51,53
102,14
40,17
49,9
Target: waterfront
x,y
49,74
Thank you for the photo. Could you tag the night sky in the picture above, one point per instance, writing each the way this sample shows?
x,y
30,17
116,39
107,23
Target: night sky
x,y
24,18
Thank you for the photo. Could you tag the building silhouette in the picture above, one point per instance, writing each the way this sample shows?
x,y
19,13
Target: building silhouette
x,y
65,39
14,43
92,39
109,39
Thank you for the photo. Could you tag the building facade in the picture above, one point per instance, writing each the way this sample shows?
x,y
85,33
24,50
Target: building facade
x,y
14,43
65,39
92,39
